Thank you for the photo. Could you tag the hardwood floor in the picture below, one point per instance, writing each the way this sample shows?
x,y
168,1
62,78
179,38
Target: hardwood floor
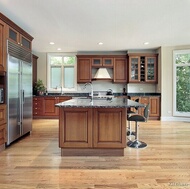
x,y
35,162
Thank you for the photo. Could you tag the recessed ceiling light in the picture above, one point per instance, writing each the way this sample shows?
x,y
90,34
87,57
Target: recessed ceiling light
x,y
100,43
59,49
51,43
146,43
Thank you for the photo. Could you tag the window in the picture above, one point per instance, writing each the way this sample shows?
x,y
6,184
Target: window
x,y
61,72
181,83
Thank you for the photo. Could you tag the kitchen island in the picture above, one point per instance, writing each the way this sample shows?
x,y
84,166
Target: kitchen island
x,y
93,127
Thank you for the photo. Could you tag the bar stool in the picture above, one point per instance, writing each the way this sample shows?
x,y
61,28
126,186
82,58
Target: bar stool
x,y
138,118
129,113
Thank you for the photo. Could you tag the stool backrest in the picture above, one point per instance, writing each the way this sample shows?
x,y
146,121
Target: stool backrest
x,y
146,111
136,100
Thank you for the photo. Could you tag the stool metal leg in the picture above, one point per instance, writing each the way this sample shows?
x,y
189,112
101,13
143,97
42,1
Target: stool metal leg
x,y
129,132
136,143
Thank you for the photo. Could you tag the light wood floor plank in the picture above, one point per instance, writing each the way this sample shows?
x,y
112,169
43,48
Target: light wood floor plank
x,y
35,162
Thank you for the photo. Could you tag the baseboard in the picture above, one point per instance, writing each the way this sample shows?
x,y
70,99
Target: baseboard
x,y
175,119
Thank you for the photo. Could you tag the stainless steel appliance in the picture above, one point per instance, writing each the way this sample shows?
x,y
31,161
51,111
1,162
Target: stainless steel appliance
x,y
19,92
1,96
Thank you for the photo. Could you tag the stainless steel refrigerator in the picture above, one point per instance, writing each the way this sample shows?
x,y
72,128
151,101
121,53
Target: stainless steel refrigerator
x,y
19,92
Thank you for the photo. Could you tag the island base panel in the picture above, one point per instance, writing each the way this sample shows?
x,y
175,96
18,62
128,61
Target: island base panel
x,y
92,152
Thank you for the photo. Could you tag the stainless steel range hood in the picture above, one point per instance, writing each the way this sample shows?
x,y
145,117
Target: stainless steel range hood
x,y
102,73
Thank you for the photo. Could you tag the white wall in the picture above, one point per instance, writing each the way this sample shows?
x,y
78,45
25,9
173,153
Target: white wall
x,y
167,83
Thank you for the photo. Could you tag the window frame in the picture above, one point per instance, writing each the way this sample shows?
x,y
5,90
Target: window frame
x,y
175,112
58,89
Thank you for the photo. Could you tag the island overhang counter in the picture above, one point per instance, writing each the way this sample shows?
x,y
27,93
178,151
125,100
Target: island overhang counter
x,y
93,127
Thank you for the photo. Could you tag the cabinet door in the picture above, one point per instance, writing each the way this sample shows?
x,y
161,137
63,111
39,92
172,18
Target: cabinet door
x,y
84,73
3,113
151,69
120,70
49,106
97,62
108,62
109,127
2,134
75,128
34,69
134,69
3,46
155,107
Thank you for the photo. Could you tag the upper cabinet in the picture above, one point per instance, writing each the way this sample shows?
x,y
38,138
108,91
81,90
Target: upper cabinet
x,y
20,39
9,30
83,69
3,46
120,70
142,68
87,65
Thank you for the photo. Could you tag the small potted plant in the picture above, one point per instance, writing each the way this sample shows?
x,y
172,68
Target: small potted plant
x,y
39,87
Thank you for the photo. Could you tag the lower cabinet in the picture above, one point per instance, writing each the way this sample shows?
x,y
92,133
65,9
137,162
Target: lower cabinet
x,y
3,126
44,106
155,106
92,129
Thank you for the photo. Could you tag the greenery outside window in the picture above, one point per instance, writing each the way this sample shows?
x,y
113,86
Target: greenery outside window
x,y
61,72
181,83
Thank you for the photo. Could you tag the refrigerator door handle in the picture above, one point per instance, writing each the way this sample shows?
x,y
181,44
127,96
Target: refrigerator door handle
x,y
23,96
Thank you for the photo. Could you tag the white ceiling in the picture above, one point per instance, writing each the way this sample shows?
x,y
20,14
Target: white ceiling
x,y
78,25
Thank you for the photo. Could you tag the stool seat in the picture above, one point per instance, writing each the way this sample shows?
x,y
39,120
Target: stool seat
x,y
138,118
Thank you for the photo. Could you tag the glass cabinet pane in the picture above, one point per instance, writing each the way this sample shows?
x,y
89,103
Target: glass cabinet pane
x,y
108,62
134,69
151,68
12,34
25,43
96,61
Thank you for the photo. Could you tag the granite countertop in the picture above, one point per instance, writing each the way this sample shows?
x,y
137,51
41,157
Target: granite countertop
x,y
99,103
115,94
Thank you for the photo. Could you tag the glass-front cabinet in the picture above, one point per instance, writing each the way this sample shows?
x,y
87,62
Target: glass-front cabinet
x,y
151,69
15,36
134,69
142,68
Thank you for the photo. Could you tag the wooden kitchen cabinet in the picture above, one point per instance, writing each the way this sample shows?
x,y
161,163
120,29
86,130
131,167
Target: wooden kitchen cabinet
x,y
142,68
9,30
44,106
109,127
3,125
92,131
84,72
103,61
3,45
37,107
75,128
155,106
34,67
120,70
19,38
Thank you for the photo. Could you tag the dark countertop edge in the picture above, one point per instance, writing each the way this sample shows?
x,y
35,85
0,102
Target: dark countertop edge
x,y
137,94
87,94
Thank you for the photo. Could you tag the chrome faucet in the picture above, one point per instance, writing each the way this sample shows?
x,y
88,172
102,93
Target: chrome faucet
x,y
61,90
91,88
